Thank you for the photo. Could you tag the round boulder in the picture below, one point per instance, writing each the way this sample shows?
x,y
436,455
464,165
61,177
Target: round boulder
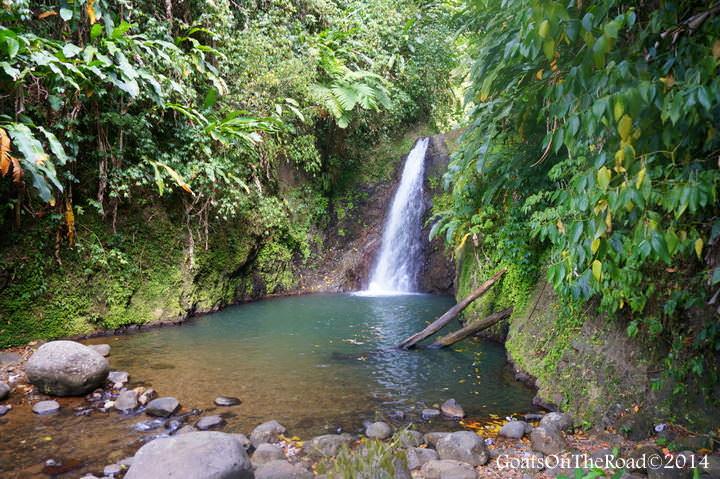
x,y
327,445
103,349
547,440
378,430
195,455
267,432
66,368
463,446
514,429
560,420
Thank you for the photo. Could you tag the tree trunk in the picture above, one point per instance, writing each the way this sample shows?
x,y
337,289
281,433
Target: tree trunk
x,y
472,328
438,324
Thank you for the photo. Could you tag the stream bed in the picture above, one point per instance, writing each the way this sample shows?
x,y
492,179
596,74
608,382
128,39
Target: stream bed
x,y
317,364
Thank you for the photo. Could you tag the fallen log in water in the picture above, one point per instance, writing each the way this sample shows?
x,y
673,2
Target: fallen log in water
x,y
472,328
438,324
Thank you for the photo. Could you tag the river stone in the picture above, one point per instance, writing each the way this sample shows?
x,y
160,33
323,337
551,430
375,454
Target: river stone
x,y
447,469
328,444
4,391
430,413
4,410
452,409
227,401
432,438
66,368
412,438
418,456
162,407
209,422
463,446
118,377
378,430
281,469
126,401
112,470
102,349
514,429
547,440
267,432
266,453
195,455
561,420
186,429
46,407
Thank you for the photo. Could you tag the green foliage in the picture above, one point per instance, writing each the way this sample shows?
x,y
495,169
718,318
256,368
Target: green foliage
x,y
599,121
372,459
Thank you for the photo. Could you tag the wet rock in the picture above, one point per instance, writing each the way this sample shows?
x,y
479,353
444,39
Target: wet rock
x,y
227,401
195,455
112,470
463,446
187,429
378,430
560,420
4,410
282,470
412,438
66,368
433,437
266,453
126,401
102,349
534,417
430,413
447,469
148,425
328,444
514,429
4,391
418,456
243,440
209,422
162,407
547,440
118,377
46,407
173,425
147,396
452,409
267,432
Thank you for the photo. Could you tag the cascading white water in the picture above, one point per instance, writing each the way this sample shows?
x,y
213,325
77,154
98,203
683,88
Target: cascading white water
x,y
398,265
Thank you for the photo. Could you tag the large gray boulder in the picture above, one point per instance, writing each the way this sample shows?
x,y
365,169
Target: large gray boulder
x,y
66,368
547,440
195,455
514,429
447,469
267,432
562,421
432,438
463,446
266,453
282,470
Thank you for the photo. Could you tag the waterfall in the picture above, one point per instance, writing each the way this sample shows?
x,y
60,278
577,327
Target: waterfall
x,y
398,264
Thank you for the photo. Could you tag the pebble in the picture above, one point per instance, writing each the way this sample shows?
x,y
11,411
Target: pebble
x,y
4,410
46,407
209,422
162,406
4,391
430,413
112,470
227,401
118,377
